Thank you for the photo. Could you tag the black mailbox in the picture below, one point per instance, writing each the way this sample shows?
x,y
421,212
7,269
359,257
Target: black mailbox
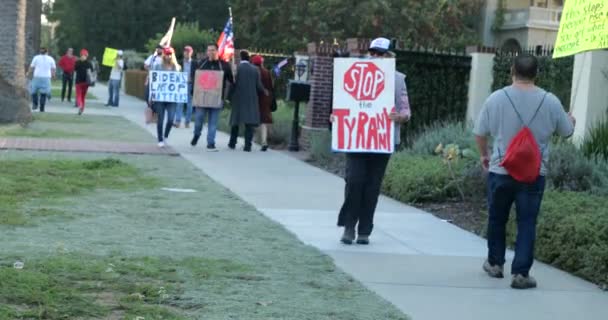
x,y
298,91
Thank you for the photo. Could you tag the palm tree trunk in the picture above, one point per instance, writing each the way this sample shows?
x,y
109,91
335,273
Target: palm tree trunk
x,y
14,106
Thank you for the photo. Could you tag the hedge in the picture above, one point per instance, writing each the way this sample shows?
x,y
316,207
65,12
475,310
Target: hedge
x,y
572,234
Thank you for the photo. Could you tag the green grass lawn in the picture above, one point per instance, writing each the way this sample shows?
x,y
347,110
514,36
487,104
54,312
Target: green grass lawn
x,y
56,94
51,125
131,249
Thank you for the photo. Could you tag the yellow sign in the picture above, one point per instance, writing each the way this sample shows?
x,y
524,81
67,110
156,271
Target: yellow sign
x,y
109,57
583,27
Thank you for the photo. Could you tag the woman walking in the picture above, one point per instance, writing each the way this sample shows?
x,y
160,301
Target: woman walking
x,y
83,69
265,101
168,63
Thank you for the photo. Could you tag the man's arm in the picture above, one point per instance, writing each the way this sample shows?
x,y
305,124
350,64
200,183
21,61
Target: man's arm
x,y
482,145
481,131
402,103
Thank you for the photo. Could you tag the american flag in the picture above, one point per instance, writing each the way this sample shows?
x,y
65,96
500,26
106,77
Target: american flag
x,y
225,43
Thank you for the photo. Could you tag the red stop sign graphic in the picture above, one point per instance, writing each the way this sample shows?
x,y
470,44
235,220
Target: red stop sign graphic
x,y
209,80
364,81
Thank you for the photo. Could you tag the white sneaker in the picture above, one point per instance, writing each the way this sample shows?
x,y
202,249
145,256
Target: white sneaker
x,y
161,144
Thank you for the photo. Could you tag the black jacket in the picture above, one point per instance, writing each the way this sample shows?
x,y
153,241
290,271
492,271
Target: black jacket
x,y
205,64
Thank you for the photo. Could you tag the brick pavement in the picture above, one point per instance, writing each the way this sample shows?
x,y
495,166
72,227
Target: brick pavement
x,y
69,145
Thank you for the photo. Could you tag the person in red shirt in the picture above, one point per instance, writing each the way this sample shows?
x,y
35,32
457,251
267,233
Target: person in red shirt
x,y
67,63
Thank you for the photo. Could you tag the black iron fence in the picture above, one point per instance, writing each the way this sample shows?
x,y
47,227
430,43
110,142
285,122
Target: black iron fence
x,y
271,59
437,87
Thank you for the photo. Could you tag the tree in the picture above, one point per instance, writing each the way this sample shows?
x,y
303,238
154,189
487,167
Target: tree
x,y
183,35
13,105
290,24
127,24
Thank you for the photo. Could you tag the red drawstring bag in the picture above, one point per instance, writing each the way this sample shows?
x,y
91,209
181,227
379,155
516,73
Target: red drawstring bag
x,y
523,158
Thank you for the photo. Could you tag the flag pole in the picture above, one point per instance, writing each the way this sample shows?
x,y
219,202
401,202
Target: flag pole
x,y
233,34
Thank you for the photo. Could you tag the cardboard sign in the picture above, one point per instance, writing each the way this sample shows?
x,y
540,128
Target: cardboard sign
x,y
583,27
208,88
364,96
169,86
109,57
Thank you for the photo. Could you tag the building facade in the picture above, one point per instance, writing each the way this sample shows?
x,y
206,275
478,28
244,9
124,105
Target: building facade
x,y
521,23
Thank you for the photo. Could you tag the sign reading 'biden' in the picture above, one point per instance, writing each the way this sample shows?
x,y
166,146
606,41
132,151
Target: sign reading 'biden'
x,y
169,86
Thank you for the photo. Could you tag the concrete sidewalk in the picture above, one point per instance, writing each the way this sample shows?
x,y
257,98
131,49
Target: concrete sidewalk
x,y
428,268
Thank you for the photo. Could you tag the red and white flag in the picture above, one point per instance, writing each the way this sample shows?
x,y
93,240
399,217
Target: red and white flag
x,y
225,43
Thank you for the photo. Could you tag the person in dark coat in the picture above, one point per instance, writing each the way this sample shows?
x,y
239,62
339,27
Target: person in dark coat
x,y
265,101
244,98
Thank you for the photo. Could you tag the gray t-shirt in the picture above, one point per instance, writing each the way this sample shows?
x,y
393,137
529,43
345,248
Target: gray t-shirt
x,y
499,120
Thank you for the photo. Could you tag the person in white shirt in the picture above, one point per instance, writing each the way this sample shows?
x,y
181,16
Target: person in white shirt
x,y
115,79
42,69
155,58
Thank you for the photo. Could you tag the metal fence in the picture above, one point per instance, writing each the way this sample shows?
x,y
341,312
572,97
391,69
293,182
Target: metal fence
x,y
272,58
437,86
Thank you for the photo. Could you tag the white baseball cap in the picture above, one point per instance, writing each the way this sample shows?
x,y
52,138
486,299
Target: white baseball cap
x,y
380,45
119,52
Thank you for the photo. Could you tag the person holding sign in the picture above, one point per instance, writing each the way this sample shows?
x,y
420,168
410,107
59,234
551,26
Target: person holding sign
x,y
522,119
363,84
165,93
210,80
115,79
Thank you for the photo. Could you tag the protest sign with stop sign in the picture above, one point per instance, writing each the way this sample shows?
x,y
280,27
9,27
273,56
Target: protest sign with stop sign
x,y
364,96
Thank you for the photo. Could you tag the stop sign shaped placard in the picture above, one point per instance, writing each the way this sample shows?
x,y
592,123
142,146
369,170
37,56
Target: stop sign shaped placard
x,y
364,81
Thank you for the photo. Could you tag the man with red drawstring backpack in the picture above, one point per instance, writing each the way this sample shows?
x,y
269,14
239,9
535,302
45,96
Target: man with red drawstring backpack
x,y
521,119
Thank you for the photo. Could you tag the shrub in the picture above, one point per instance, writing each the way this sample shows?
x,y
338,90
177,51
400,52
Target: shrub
x,y
322,156
443,133
573,234
134,60
596,142
415,178
185,34
569,170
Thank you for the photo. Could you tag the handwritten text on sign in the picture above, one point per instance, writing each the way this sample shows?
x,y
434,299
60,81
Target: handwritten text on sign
x,y
169,86
364,96
583,27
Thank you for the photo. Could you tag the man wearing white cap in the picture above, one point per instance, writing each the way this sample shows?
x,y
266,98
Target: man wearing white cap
x,y
365,171
115,79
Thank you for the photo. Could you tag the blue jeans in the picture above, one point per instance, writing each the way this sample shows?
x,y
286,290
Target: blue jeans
x,y
160,108
42,87
114,92
180,109
503,191
200,115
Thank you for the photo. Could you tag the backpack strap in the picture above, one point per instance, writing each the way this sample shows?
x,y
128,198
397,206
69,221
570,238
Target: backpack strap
x,y
517,112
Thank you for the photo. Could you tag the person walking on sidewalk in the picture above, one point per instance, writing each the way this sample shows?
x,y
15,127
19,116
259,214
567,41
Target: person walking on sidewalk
x,y
265,101
365,171
84,74
212,113
42,69
67,63
521,119
245,105
115,80
187,65
161,108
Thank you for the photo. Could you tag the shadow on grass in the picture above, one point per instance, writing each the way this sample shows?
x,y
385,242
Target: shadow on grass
x,y
50,125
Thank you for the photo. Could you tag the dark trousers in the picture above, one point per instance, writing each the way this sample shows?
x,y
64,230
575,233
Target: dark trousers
x,y
160,108
66,83
39,100
234,134
503,191
364,174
